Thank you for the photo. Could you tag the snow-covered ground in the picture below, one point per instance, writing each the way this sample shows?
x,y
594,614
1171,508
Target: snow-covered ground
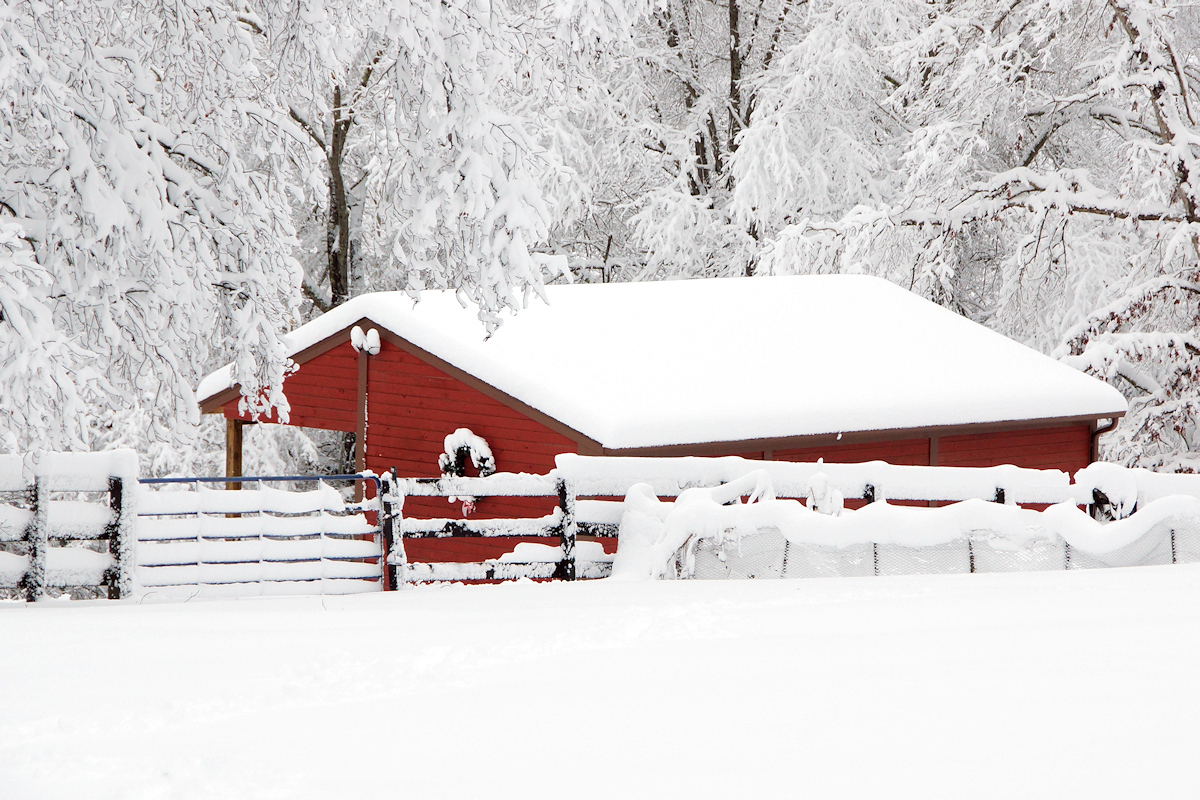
x,y
1066,684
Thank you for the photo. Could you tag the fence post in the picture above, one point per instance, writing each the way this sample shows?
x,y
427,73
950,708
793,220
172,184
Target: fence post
x,y
393,550
122,539
37,537
566,502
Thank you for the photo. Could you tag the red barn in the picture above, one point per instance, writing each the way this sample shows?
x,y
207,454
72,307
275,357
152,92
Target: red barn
x,y
845,368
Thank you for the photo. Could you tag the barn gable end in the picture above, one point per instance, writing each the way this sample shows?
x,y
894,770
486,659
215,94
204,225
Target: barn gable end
x,y
322,393
413,406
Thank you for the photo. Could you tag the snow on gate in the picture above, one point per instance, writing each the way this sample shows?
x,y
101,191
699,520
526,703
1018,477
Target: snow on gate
x,y
260,540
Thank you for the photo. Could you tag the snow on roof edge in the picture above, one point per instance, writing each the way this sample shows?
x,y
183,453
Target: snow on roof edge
x,y
394,312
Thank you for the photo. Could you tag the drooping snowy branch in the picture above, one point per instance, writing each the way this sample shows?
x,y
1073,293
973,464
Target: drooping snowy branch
x,y
147,231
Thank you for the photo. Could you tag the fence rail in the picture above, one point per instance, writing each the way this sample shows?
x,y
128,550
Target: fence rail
x,y
562,525
612,477
609,476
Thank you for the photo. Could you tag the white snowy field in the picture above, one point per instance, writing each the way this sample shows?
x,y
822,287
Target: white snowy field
x,y
1066,684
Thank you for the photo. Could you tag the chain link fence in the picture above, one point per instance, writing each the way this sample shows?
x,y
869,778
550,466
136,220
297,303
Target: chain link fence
x,y
768,554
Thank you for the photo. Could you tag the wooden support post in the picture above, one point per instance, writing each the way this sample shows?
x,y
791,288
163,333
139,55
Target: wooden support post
x,y
360,434
233,452
37,541
391,505
566,502
122,538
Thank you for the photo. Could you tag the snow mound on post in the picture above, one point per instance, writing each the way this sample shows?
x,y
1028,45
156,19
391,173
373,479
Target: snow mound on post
x,y
1132,488
86,472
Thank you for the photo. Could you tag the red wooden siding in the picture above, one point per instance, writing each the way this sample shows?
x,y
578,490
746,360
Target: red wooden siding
x,y
1067,447
412,406
898,451
322,394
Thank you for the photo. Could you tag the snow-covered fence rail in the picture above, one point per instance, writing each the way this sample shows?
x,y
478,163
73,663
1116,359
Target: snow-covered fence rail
x,y
571,559
610,476
710,533
50,543
588,476
76,521
892,540
262,540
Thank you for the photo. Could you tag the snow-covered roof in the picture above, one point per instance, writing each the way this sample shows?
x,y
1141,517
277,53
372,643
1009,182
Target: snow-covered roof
x,y
681,362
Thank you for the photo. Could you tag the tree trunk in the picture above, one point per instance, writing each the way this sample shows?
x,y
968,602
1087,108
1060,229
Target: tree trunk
x,y
337,235
735,76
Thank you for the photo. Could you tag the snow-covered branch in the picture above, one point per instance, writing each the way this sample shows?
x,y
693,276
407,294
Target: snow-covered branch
x,y
154,236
